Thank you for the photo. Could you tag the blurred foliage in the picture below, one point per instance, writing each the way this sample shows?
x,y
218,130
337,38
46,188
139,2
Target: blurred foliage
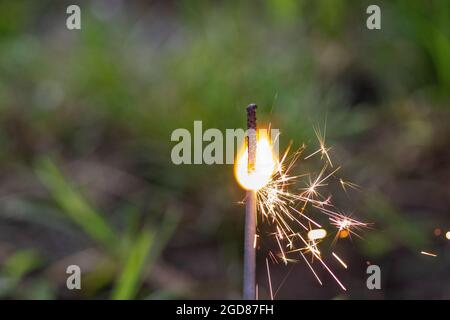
x,y
86,118
74,205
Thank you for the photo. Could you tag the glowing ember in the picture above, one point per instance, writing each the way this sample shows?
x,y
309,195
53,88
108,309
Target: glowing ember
x,y
343,234
317,234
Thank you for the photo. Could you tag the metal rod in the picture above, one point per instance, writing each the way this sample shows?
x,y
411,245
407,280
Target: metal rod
x,y
250,213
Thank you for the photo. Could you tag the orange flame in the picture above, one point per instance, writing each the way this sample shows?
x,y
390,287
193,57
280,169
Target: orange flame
x,y
265,164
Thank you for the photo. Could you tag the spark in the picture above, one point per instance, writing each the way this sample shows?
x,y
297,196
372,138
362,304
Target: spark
x,y
428,254
310,267
333,275
344,224
291,203
345,184
281,250
288,210
339,259
282,282
323,150
270,281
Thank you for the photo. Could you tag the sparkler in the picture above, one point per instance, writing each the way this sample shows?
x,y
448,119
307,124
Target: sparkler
x,y
286,202
250,211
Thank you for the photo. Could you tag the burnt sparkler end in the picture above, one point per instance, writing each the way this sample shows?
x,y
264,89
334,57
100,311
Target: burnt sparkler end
x,y
251,116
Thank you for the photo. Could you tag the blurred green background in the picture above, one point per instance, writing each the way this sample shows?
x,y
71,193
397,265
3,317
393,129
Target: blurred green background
x,y
86,117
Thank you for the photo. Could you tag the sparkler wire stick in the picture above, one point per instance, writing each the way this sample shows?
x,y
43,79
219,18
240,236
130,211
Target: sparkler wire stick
x,y
250,212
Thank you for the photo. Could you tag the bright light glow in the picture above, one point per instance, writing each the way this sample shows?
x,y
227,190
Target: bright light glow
x,y
447,235
265,164
317,234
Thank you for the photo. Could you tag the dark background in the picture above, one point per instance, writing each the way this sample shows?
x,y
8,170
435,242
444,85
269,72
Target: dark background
x,y
86,117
